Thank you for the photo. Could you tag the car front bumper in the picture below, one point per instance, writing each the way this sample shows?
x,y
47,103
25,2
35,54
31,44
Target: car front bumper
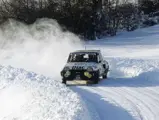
x,y
78,75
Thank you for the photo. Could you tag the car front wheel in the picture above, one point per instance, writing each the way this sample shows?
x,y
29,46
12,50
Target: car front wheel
x,y
96,78
64,81
105,75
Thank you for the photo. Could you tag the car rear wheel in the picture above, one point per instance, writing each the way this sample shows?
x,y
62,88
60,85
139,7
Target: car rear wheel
x,y
104,76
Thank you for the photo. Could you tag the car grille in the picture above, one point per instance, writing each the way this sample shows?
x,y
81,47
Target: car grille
x,y
79,72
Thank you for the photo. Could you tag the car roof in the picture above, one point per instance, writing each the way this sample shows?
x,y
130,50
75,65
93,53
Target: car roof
x,y
87,51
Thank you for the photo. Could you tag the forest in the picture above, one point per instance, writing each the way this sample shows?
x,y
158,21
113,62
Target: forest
x,y
89,19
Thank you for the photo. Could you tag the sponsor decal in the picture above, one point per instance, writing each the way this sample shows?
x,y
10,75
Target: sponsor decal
x,y
77,67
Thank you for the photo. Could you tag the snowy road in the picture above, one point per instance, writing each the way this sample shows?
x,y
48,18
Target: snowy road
x,y
104,109
113,100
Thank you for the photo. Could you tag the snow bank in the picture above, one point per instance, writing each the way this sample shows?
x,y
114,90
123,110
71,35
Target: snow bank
x,y
135,68
29,96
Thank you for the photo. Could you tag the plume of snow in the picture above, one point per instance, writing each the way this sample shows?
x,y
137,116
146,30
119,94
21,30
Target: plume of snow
x,y
42,47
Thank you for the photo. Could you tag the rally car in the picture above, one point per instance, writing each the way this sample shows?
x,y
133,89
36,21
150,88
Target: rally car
x,y
87,65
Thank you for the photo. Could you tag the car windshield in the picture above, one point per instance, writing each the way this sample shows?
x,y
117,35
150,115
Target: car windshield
x,y
83,57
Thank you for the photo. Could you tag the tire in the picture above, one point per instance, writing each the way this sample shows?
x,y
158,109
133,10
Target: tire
x,y
105,76
96,78
64,81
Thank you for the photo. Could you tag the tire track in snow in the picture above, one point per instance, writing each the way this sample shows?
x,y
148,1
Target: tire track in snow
x,y
104,108
141,102
147,97
132,107
115,94
145,103
134,101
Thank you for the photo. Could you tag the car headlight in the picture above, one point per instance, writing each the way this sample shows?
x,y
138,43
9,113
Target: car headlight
x,y
89,69
67,74
87,74
66,68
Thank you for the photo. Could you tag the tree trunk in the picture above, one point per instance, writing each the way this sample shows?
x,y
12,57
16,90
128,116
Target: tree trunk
x,y
97,9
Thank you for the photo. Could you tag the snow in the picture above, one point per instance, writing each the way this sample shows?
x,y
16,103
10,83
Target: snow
x,y
42,47
130,44
26,95
131,91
